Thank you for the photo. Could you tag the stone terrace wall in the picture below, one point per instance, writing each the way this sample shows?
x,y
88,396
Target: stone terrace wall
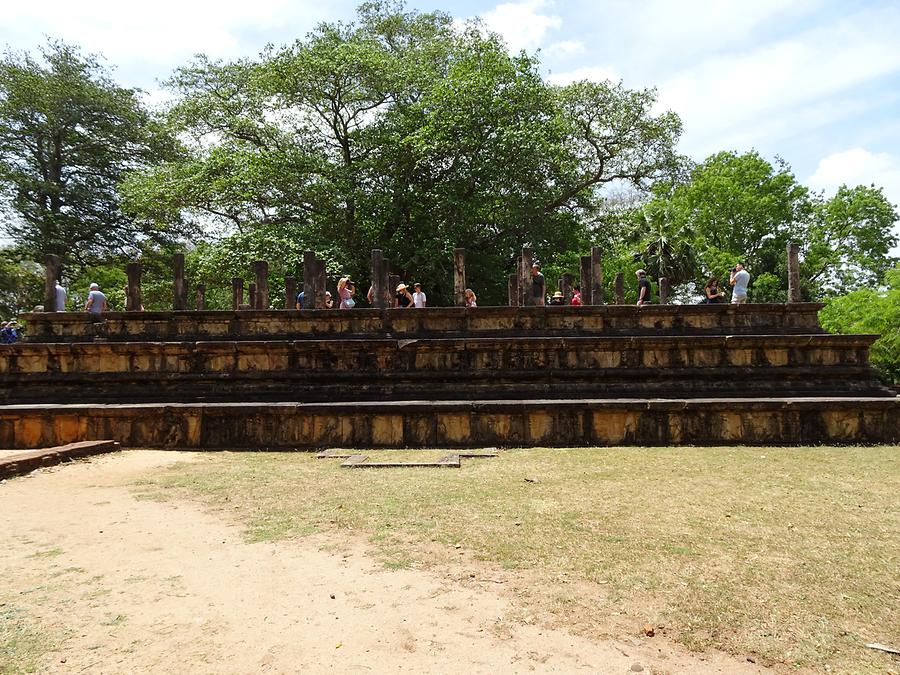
x,y
797,318
568,423
439,368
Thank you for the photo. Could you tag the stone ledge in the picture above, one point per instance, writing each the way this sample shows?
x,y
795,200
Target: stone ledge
x,y
25,462
461,424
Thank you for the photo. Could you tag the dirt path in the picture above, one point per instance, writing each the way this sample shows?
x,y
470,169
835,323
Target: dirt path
x,y
127,585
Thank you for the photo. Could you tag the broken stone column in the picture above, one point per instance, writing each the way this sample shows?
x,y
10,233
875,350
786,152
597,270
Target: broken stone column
x,y
290,293
459,277
793,265
133,290
586,294
261,272
51,276
237,293
664,290
201,297
378,279
525,284
596,277
179,287
620,288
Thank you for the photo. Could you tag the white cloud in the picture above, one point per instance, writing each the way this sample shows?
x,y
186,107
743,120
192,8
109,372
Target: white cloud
x,y
593,73
754,93
566,48
153,37
858,166
521,24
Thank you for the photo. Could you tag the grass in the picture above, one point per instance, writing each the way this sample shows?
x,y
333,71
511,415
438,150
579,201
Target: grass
x,y
787,554
21,644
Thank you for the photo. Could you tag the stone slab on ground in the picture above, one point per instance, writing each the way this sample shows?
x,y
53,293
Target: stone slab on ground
x,y
19,463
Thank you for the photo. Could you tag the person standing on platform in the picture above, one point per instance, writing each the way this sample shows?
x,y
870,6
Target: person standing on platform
x,y
576,297
538,287
419,298
60,297
403,299
740,279
645,290
96,302
344,294
471,300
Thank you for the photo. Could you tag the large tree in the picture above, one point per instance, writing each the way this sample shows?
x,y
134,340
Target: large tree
x,y
68,134
404,132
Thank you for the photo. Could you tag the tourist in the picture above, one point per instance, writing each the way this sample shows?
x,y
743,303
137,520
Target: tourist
x,y
645,290
9,332
403,299
60,297
471,300
345,293
740,279
329,301
558,299
714,295
537,285
576,297
298,303
419,299
96,302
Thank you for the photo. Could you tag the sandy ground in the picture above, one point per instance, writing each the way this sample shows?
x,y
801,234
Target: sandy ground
x,y
126,585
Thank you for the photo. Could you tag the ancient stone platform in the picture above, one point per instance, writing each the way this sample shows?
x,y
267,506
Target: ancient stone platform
x,y
454,377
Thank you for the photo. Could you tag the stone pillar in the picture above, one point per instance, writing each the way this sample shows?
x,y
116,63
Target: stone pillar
x,y
586,280
512,289
525,285
261,272
793,266
179,295
596,277
459,277
620,288
565,285
664,290
377,278
386,284
51,276
290,292
319,278
237,293
133,294
254,296
309,280
201,297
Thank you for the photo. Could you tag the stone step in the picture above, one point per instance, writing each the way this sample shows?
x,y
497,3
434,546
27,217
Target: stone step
x,y
20,463
459,424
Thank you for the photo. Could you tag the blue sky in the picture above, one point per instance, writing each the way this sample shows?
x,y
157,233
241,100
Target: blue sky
x,y
816,82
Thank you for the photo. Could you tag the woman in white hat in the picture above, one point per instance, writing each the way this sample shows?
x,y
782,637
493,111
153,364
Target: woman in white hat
x,y
404,298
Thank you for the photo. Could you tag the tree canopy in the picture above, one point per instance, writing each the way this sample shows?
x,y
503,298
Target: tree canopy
x,y
68,135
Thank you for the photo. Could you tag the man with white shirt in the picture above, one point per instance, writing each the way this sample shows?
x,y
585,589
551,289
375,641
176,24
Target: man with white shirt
x,y
419,298
60,298
740,279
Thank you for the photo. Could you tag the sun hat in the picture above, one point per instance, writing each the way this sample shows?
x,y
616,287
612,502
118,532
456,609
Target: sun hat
x,y
558,294
95,287
401,287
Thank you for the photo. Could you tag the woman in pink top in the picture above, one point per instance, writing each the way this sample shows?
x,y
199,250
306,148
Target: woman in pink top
x,y
344,294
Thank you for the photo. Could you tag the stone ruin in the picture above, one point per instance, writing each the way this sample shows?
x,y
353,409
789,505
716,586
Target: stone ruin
x,y
442,377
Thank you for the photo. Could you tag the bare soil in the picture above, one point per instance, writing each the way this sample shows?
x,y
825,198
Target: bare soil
x,y
105,582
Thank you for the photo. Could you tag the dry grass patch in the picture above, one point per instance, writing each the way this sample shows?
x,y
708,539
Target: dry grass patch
x,y
788,554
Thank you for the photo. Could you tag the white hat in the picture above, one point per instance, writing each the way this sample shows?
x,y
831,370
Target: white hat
x,y
95,287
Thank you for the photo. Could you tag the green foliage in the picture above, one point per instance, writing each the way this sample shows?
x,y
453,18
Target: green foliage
x,y
871,311
21,283
847,245
744,208
68,134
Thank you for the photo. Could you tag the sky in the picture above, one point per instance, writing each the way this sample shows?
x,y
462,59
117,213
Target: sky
x,y
815,82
